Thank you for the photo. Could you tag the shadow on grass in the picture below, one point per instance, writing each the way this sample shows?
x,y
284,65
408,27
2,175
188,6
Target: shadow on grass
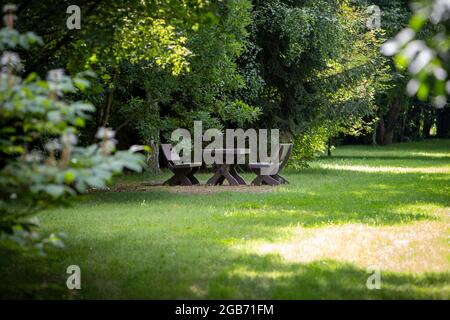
x,y
268,277
310,200
30,277
236,276
268,210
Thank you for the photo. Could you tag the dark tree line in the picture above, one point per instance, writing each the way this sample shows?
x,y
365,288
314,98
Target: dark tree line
x,y
311,68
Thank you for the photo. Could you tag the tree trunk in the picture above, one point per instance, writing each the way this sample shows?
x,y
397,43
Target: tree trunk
x,y
427,123
329,146
107,110
443,123
155,139
153,157
102,112
374,135
380,130
388,123
403,127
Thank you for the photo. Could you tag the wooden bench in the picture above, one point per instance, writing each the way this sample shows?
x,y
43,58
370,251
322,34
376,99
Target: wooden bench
x,y
274,177
183,172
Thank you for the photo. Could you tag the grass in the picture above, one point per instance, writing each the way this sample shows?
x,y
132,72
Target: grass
x,y
312,239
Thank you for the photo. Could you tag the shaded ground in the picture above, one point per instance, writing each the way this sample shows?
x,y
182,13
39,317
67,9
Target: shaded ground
x,y
312,239
135,186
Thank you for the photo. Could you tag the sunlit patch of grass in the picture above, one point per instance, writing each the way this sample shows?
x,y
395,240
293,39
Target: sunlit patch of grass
x,y
372,169
414,151
432,154
416,248
421,207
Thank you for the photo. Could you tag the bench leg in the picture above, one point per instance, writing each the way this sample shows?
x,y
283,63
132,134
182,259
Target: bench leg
x,y
192,178
184,181
280,179
270,181
171,182
259,180
179,178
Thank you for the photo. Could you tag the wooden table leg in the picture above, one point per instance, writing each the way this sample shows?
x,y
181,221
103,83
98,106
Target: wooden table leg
x,y
257,181
220,181
214,179
227,174
222,173
237,176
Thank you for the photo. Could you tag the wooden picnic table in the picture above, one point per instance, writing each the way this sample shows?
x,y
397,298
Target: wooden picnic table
x,y
224,171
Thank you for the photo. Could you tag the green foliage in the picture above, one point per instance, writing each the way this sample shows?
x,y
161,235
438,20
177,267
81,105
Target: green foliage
x,y
12,39
240,113
308,146
318,67
147,39
40,162
207,89
422,49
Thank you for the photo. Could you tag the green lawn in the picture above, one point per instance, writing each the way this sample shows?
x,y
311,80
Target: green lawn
x,y
312,239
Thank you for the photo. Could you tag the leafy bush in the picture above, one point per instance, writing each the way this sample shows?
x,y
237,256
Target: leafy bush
x,y
40,162
307,146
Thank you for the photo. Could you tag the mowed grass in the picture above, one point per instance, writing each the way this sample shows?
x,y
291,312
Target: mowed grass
x,y
384,207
